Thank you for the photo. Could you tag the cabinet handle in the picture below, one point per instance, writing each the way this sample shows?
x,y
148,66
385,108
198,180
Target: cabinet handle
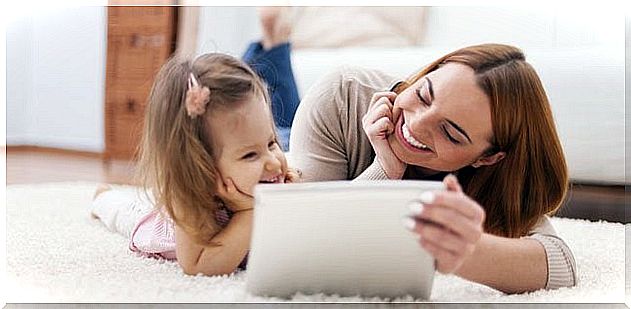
x,y
138,40
131,105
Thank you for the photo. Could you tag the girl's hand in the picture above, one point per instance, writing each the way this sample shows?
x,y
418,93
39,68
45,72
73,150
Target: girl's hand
x,y
293,175
449,224
378,124
235,199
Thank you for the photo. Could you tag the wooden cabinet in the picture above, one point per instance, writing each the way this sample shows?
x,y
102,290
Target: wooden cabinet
x,y
139,41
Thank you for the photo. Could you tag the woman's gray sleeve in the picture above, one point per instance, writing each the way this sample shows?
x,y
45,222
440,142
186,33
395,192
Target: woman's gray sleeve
x,y
316,143
373,172
561,264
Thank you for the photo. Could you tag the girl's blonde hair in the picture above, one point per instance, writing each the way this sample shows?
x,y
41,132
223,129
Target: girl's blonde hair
x,y
532,179
177,158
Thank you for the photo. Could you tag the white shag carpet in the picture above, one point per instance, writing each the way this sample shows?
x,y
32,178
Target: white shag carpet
x,y
57,253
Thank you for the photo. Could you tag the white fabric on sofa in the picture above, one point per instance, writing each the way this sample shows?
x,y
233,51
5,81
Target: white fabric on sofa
x,y
585,87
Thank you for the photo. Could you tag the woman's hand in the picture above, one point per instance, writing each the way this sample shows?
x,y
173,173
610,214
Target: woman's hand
x,y
378,124
235,199
449,224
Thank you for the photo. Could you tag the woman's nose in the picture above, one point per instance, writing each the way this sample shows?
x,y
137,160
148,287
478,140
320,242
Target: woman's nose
x,y
420,121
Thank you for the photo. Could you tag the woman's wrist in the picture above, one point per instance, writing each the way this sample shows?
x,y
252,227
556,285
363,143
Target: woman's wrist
x,y
392,171
469,264
495,257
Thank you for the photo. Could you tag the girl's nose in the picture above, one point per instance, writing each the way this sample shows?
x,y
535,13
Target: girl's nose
x,y
272,163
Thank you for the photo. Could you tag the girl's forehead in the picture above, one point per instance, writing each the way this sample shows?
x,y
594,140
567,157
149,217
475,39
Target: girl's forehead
x,y
248,122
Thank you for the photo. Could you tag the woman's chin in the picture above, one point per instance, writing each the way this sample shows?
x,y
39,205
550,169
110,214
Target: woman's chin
x,y
403,154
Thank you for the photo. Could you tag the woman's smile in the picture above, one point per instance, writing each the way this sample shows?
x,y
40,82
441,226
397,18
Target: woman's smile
x,y
405,138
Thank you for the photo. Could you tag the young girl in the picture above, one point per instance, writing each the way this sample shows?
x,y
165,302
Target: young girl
x,y
208,139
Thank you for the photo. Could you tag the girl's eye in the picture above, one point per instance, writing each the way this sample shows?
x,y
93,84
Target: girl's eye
x,y
271,144
249,155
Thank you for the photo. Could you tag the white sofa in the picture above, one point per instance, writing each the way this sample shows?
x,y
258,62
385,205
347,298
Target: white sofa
x,y
585,87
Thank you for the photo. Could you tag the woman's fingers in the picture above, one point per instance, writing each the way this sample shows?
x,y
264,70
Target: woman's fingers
x,y
441,236
456,201
446,261
378,125
449,224
451,220
389,95
383,108
380,128
451,183
396,112
448,244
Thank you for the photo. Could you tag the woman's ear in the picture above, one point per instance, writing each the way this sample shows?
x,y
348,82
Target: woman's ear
x,y
489,160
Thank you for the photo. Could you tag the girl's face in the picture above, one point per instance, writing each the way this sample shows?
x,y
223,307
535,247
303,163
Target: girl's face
x,y
246,146
445,121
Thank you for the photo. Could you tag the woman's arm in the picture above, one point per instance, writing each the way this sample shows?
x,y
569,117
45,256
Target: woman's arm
x,y
233,244
507,264
317,142
535,262
327,139
449,224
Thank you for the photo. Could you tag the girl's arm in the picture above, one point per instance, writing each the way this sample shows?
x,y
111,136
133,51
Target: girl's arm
x,y
233,244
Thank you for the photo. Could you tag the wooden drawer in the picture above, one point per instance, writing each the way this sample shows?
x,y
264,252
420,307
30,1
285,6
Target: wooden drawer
x,y
139,41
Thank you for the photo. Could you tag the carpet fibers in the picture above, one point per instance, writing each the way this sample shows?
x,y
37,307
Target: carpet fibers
x,y
57,253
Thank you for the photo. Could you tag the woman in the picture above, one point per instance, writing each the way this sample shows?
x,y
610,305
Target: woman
x,y
479,113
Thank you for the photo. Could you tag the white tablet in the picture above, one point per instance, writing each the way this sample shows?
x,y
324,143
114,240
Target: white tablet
x,y
341,237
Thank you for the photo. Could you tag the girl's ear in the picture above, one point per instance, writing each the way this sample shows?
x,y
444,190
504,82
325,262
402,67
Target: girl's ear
x,y
489,160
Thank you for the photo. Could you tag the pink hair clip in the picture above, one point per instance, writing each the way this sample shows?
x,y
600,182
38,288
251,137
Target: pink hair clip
x,y
196,97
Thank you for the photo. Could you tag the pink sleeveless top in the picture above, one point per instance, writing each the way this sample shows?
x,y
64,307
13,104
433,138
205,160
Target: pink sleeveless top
x,y
154,235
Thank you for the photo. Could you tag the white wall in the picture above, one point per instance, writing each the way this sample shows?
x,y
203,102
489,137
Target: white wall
x,y
56,79
627,96
526,27
56,60
19,80
227,29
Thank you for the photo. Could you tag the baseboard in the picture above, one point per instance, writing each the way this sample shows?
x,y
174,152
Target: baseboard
x,y
595,203
51,150
56,142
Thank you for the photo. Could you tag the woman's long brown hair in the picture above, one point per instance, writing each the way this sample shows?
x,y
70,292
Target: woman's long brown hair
x,y
532,179
177,157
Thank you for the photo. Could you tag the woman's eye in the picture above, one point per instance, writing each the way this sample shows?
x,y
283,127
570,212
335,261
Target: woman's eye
x,y
249,155
450,138
420,97
271,144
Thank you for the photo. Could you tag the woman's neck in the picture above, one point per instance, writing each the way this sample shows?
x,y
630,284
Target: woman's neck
x,y
418,172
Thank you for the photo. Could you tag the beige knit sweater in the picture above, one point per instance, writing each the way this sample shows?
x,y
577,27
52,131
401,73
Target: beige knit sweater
x,y
328,143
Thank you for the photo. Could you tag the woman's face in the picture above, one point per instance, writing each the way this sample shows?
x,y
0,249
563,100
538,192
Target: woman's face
x,y
248,152
445,120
